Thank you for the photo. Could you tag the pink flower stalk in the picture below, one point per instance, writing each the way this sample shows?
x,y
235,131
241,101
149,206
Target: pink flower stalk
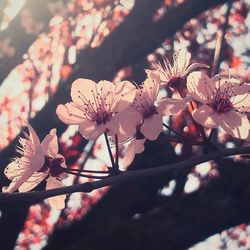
x,y
173,75
224,100
96,108
37,161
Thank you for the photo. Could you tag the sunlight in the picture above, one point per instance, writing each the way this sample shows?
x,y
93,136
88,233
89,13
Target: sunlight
x,y
10,12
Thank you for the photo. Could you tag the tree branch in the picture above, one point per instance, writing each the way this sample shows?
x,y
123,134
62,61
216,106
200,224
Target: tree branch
x,y
122,178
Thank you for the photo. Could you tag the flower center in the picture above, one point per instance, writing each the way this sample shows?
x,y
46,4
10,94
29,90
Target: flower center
x,y
149,111
221,101
144,105
99,109
102,117
54,166
176,82
138,134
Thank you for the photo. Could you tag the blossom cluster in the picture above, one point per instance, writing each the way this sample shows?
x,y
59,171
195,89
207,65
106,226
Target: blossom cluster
x,y
130,112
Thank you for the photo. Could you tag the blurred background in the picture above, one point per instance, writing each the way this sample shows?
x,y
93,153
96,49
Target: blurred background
x,y
46,45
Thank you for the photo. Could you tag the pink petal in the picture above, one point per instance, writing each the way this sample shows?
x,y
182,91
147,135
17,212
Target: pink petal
x,y
128,121
14,169
130,154
171,106
206,116
19,180
139,146
194,66
57,202
70,113
44,149
53,145
181,61
151,86
124,93
104,87
200,86
83,90
241,101
135,147
225,81
235,124
152,127
33,181
113,126
90,130
33,136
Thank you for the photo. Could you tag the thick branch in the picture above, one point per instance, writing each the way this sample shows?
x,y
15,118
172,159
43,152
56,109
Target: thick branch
x,y
122,178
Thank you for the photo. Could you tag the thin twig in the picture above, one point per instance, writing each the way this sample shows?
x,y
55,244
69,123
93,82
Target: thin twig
x,y
117,151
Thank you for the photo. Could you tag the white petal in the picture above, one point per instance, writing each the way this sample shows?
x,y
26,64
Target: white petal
x,y
57,202
206,116
152,127
235,123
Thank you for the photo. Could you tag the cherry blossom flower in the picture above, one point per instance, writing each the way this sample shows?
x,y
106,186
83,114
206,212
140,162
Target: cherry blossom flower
x,y
146,113
173,75
224,102
37,161
31,161
96,108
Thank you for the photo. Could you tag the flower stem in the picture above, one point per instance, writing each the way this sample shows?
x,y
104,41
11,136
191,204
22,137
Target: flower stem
x,y
174,131
84,175
89,171
123,178
114,166
117,151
